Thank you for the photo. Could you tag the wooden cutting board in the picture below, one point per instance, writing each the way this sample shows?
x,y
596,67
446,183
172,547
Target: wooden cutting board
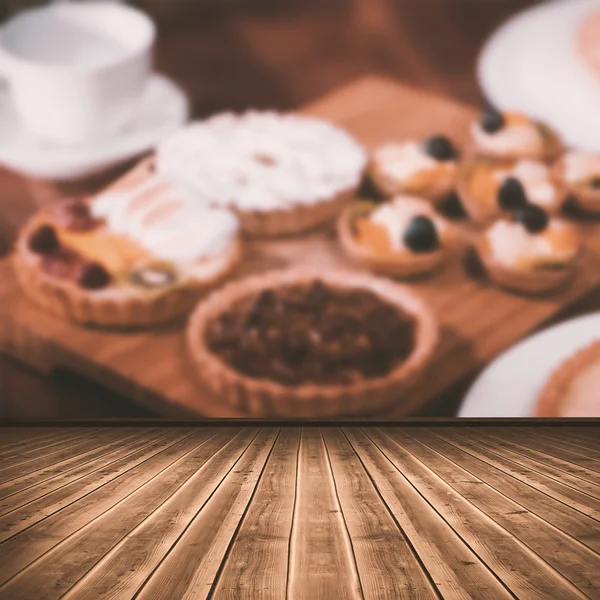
x,y
477,319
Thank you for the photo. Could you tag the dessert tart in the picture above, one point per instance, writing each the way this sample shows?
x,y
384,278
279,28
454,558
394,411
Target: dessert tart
x,y
311,343
511,136
137,254
488,189
427,169
402,237
580,171
588,40
573,389
529,252
281,173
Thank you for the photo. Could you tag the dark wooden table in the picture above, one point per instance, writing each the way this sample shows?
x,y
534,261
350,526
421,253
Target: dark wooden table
x,y
236,54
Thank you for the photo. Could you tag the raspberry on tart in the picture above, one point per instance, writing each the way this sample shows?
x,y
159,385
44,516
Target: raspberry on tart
x,y
580,172
311,343
573,389
530,252
427,169
404,236
512,135
280,173
138,254
488,189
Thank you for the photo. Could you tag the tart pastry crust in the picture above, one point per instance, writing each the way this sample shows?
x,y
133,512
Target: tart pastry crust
x,y
584,195
554,397
263,397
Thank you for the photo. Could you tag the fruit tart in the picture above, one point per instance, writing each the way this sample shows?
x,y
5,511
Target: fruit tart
x,y
530,251
280,173
573,389
137,254
311,343
427,169
580,172
404,236
488,189
512,135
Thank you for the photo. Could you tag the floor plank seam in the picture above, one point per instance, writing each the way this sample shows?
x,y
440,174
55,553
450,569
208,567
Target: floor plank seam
x,y
289,557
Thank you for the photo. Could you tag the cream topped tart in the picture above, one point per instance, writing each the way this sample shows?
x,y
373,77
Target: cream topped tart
x,y
311,343
512,135
427,169
573,389
580,172
280,173
530,252
404,236
489,188
137,254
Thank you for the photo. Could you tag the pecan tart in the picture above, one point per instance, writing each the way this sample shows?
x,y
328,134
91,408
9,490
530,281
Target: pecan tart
x,y
138,254
512,135
530,252
301,343
580,172
427,169
280,173
573,389
488,188
402,237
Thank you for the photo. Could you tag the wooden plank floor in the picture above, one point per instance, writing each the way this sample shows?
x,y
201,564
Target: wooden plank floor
x,y
300,513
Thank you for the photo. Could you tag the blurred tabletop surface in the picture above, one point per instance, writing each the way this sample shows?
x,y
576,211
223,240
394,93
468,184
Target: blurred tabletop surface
x,y
237,54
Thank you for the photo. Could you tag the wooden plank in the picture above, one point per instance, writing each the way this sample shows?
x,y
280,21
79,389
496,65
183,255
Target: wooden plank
x,y
146,522
15,439
546,453
590,450
256,567
458,573
375,110
191,567
493,526
387,565
42,532
572,490
40,483
322,563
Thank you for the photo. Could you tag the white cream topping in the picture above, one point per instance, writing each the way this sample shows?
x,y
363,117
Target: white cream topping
x,y
395,216
522,138
262,160
402,161
166,220
583,396
581,166
535,177
512,245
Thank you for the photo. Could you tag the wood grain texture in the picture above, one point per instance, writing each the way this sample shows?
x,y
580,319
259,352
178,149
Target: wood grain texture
x,y
477,319
269,513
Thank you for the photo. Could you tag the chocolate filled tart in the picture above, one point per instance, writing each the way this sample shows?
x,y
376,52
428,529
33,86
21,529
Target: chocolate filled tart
x,y
312,344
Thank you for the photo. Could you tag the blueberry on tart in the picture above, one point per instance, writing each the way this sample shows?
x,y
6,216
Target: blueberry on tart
x,y
580,172
423,168
281,174
139,253
530,251
489,189
313,343
512,135
402,237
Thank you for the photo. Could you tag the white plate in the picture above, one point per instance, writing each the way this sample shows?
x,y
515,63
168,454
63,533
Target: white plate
x,y
531,64
509,386
163,108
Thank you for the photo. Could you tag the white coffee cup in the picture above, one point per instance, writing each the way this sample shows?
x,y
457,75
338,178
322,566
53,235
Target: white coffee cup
x,y
76,71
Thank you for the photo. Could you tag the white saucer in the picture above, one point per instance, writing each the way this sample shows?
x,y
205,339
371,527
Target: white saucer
x,y
164,108
509,386
531,64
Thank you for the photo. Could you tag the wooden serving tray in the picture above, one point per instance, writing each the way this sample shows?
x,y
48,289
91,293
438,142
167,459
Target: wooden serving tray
x,y
477,319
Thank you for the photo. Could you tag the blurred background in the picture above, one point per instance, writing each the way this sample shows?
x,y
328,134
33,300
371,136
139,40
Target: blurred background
x,y
237,54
